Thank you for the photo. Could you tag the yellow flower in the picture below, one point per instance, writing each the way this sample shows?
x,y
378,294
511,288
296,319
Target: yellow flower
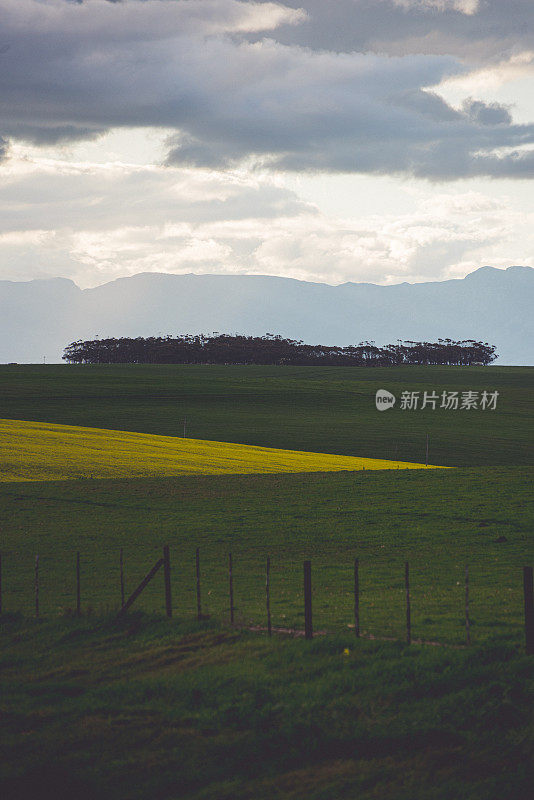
x,y
34,451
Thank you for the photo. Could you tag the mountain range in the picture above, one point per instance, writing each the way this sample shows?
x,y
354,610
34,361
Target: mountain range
x,y
38,318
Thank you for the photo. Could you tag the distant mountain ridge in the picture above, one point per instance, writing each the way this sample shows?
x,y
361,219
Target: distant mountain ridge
x,y
39,318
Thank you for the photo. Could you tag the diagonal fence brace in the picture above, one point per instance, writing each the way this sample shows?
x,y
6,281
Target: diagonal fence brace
x,y
146,580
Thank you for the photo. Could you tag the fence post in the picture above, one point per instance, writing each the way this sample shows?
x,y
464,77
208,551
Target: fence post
x,y
78,589
199,607
268,594
357,597
231,582
37,587
467,629
122,577
529,610
308,627
408,609
167,580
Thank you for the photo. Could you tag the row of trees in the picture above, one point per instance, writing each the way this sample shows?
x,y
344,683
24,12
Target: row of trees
x,y
270,349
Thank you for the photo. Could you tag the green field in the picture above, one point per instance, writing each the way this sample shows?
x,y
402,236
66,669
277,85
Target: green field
x,y
438,520
94,710
322,409
176,709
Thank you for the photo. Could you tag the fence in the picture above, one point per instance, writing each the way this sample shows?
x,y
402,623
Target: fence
x,y
165,562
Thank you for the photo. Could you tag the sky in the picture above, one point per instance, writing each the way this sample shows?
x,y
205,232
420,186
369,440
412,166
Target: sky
x,y
349,140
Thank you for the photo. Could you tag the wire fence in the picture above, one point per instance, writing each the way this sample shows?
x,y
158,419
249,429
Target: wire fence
x,y
289,599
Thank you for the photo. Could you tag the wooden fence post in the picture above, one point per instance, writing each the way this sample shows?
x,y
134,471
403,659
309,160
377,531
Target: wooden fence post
x,y
231,582
268,594
529,610
408,609
36,587
78,588
199,606
357,597
122,577
308,627
146,580
167,580
467,628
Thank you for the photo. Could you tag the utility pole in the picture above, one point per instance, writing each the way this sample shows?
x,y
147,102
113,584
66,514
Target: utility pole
x,y
426,463
185,423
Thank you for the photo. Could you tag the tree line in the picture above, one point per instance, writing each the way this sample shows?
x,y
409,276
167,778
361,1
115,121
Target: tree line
x,y
270,349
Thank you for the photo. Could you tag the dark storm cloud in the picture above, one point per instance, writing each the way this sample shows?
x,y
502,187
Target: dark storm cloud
x,y
354,114
74,70
495,28
487,113
44,134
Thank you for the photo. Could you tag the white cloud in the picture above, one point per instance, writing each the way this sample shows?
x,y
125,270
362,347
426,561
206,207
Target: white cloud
x,y
96,223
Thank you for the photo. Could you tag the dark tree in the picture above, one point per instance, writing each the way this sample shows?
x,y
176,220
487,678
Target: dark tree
x,y
225,349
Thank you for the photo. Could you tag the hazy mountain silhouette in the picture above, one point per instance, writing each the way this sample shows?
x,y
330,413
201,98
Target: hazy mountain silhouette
x,y
38,318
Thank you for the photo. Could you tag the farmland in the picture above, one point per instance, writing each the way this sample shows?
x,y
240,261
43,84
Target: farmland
x,y
277,717
384,518
322,409
129,490
42,451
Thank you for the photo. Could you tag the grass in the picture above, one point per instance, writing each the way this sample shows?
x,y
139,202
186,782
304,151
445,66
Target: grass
x,y
320,410
163,709
439,520
44,451
147,708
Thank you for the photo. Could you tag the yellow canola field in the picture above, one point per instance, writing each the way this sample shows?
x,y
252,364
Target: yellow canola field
x,y
42,451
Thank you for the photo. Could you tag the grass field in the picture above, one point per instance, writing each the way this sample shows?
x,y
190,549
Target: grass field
x,y
44,451
152,708
438,519
322,409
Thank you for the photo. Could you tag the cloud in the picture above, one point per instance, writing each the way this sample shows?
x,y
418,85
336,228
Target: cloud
x,y
142,20
200,114
94,223
68,195
427,244
477,32
463,6
487,113
367,114
76,70
4,147
71,70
